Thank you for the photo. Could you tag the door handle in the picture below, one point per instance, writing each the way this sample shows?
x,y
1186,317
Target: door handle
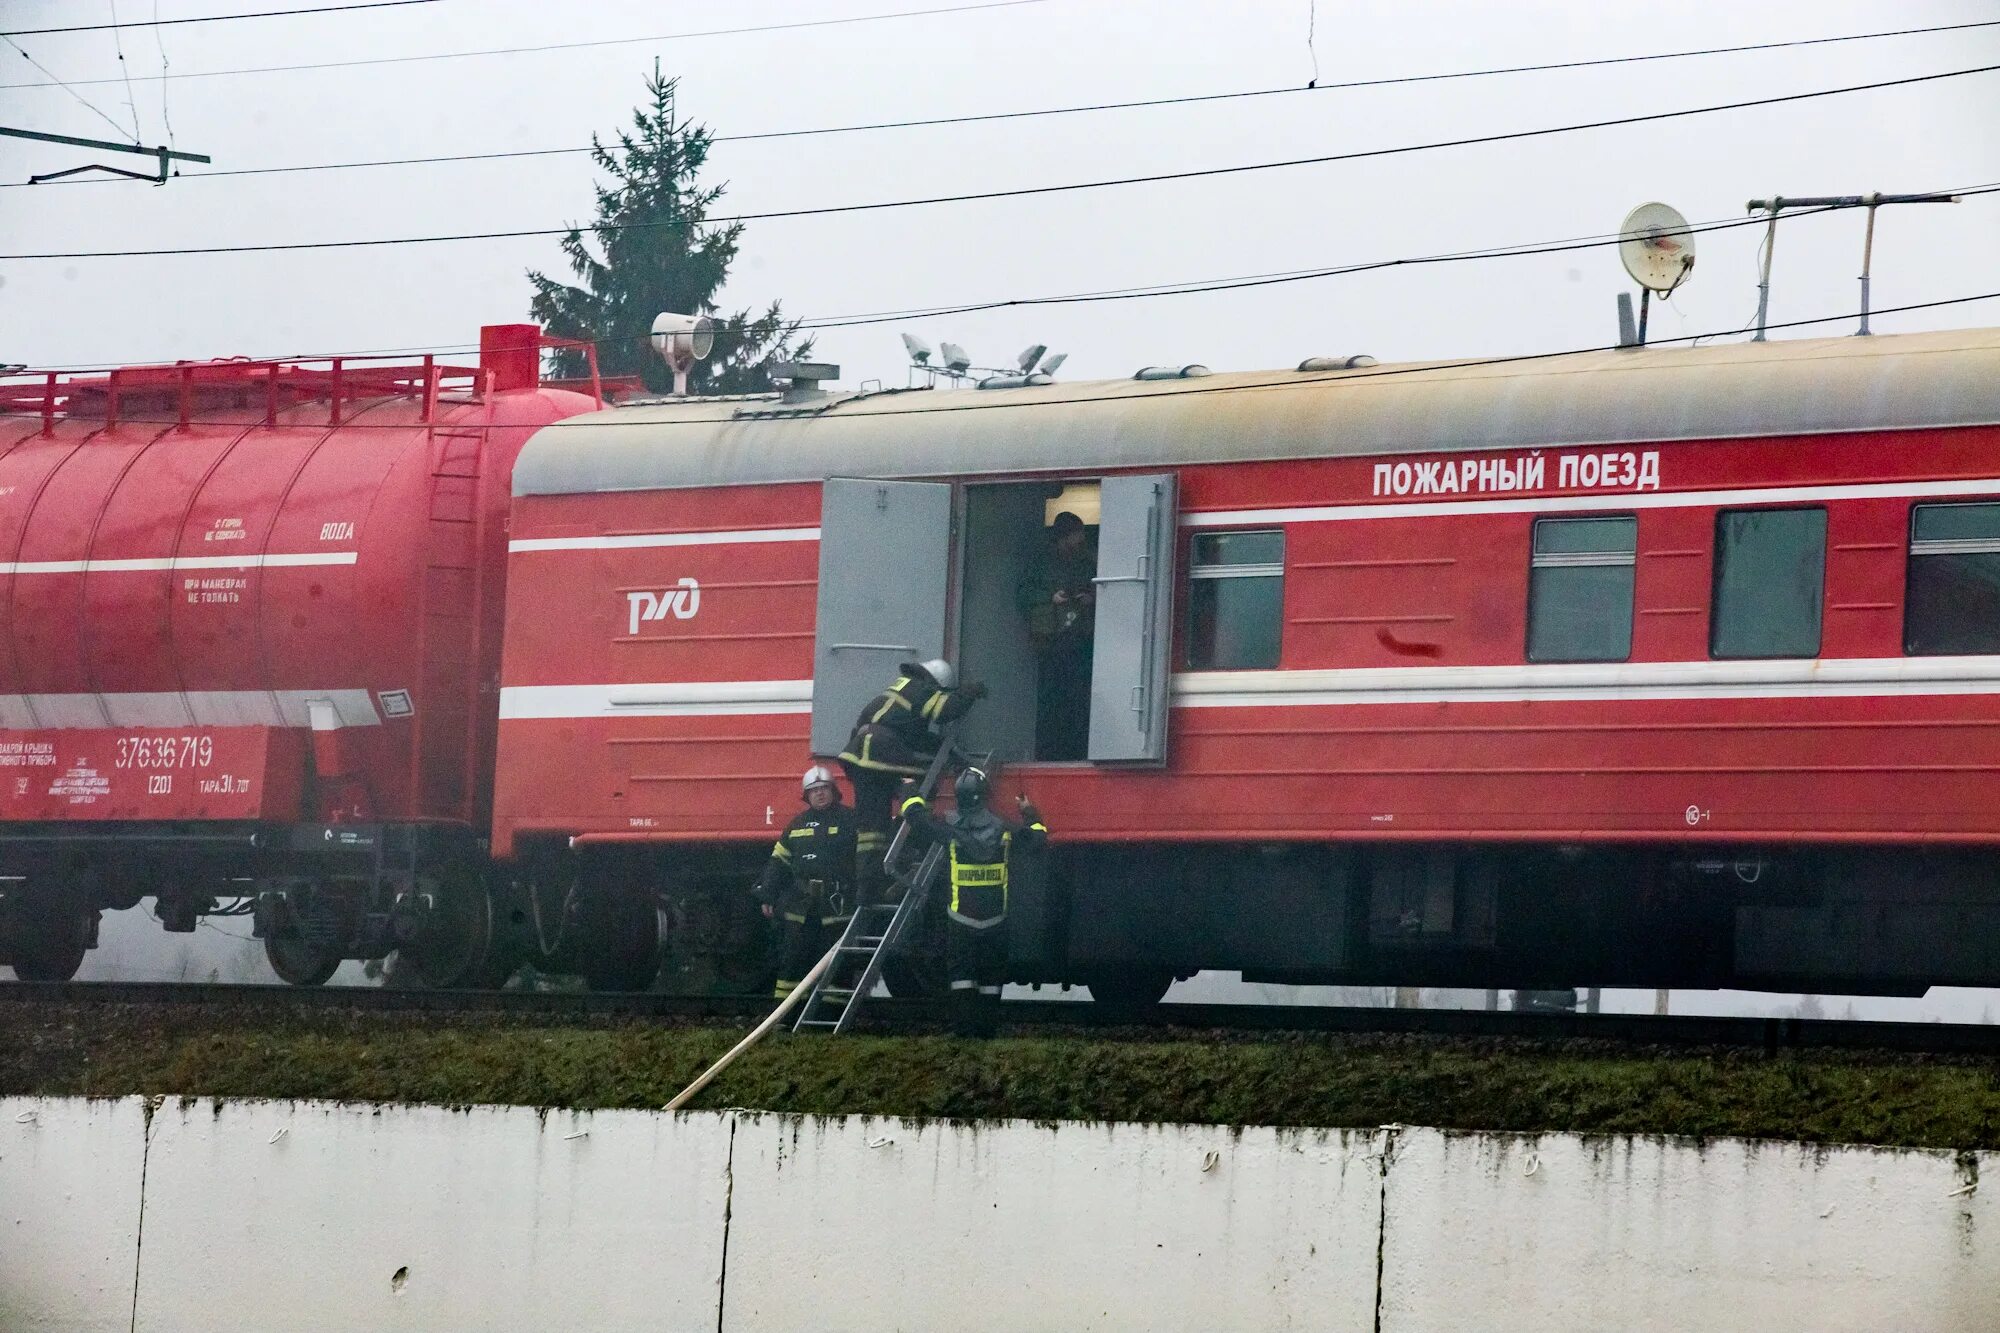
x,y
1142,576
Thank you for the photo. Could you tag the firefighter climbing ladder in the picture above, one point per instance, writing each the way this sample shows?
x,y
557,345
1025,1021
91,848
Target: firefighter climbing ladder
x,y
830,1006
845,983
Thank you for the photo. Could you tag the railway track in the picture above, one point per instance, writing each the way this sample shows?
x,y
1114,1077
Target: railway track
x,y
1773,1035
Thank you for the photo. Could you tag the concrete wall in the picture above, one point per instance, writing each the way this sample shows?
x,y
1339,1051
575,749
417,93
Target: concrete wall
x,y
258,1215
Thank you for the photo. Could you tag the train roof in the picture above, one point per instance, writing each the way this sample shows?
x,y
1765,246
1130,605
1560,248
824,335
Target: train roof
x,y
1649,395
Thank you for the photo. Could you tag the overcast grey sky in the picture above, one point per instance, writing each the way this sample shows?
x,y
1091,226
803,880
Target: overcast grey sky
x,y
1942,134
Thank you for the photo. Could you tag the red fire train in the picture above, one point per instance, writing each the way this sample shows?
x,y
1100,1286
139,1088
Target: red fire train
x,y
1652,667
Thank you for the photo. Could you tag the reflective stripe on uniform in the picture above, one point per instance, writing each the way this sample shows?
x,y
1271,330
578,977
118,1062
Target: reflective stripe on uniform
x,y
892,700
934,706
977,875
965,985
780,851
782,989
863,756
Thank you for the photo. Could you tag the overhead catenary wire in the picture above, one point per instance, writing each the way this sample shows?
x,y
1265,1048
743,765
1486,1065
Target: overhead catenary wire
x,y
789,26
817,324
157,22
990,402
93,108
1019,192
1076,109
160,41
118,44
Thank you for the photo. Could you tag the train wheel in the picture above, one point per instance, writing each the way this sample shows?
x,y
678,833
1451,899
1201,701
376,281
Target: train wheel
x,y
622,941
458,946
53,950
1135,988
299,961
305,939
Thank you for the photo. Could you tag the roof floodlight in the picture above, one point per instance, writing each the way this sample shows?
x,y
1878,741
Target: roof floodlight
x,y
955,358
1029,356
919,350
1053,363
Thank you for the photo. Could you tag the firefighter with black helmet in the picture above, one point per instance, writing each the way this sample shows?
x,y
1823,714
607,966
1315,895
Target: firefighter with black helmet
x,y
808,886
895,738
981,844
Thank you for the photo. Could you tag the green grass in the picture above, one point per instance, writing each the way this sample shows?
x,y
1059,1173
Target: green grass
x,y
102,1050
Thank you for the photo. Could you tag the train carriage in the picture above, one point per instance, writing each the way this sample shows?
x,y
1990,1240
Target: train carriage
x,y
1649,667
250,619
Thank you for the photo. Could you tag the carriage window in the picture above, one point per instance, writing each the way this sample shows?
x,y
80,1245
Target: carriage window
x,y
1236,600
1953,603
1580,589
1770,579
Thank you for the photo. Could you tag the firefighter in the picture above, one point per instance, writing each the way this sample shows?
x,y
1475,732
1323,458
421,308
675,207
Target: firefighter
x,y
807,889
896,738
981,843
1058,599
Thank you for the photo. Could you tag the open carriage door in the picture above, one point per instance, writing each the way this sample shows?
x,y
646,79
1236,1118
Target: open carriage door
x,y
884,575
1135,580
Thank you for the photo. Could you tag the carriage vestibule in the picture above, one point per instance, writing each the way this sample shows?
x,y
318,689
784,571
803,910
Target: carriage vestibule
x,y
1027,616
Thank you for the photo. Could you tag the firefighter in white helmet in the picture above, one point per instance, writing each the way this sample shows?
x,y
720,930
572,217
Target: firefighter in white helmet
x,y
895,738
807,888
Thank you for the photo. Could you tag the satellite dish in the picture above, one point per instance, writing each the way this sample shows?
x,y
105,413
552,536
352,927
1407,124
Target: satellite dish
x,y
1657,247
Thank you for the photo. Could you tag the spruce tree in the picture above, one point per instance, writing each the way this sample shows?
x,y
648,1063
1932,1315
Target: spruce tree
x,y
659,252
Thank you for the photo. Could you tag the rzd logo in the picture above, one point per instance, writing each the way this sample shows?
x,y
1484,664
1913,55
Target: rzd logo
x,y
681,602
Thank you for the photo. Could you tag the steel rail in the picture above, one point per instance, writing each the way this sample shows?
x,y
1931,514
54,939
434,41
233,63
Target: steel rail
x,y
1772,1035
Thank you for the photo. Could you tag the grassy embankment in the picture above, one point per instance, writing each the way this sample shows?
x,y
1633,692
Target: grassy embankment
x,y
100,1050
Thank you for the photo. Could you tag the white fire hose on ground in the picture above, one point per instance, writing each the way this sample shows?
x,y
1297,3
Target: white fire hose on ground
x,y
799,992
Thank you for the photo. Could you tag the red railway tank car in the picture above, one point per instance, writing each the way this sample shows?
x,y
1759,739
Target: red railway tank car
x,y
250,620
1651,667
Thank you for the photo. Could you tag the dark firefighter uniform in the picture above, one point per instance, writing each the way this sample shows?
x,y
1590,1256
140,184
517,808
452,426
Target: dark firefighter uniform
x,y
809,886
980,844
896,738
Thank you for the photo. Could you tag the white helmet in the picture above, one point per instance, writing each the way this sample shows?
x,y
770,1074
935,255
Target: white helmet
x,y
819,775
941,672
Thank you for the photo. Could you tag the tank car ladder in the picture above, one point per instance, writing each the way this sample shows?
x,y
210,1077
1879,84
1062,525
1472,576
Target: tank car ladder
x,y
848,980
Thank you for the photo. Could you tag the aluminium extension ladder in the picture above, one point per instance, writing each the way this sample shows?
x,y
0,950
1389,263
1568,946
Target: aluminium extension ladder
x,y
836,998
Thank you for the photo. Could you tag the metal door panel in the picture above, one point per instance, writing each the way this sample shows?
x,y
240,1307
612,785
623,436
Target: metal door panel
x,y
1135,579
884,578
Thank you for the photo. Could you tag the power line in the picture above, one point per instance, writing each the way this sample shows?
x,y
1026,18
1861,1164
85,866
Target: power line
x,y
216,18
1303,275
992,402
118,42
1090,107
577,46
1021,192
1196,287
59,83
999,401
